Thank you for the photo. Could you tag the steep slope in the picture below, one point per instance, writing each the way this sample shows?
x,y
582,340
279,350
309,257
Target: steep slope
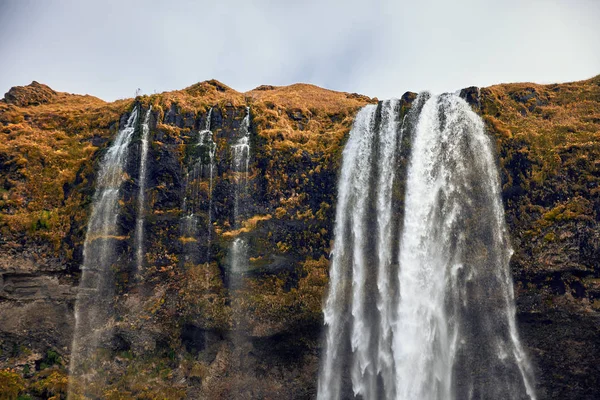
x,y
548,142
295,142
176,330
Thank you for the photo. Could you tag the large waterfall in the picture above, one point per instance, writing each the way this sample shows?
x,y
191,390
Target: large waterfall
x,y
95,293
421,308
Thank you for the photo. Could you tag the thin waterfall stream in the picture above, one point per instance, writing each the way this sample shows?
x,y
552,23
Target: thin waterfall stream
x,y
203,156
208,140
141,198
240,159
437,322
93,308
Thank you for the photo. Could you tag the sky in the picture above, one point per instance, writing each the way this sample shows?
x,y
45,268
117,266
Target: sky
x,y
379,48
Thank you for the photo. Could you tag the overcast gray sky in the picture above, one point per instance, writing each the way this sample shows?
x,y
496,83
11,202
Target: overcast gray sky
x,y
378,48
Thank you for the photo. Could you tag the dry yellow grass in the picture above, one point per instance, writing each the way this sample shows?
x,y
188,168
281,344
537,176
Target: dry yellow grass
x,y
303,116
248,225
43,147
47,138
550,119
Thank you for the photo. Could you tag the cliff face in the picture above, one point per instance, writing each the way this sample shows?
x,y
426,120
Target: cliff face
x,y
193,326
547,140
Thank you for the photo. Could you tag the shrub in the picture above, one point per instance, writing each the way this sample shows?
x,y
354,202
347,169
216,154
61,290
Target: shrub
x,y
11,384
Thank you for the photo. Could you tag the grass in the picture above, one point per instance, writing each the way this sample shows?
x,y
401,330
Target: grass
x,y
548,139
43,148
550,120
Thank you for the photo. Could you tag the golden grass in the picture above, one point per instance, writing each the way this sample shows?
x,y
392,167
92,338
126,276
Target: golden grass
x,y
47,140
43,148
248,225
301,130
550,119
265,306
304,117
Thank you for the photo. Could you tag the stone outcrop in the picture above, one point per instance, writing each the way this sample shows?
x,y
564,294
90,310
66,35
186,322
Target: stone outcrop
x,y
30,95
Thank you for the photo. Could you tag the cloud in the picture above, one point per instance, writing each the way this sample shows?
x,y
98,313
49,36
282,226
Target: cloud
x,y
379,48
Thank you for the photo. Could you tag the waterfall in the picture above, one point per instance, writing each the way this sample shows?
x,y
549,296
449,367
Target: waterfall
x,y
241,149
240,159
141,200
239,251
349,215
204,156
438,322
212,147
390,137
93,308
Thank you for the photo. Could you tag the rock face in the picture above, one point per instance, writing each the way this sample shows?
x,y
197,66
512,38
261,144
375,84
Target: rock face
x,y
547,145
189,325
30,95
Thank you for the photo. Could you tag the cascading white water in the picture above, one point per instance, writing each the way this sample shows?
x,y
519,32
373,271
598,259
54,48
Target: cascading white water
x,y
206,153
141,200
240,151
456,321
389,141
94,297
239,251
212,148
240,161
356,161
208,122
448,331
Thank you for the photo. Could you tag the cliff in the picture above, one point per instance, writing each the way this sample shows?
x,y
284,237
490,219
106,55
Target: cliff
x,y
195,327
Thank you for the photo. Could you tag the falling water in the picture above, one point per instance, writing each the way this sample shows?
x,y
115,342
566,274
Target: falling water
x,y
212,147
241,149
240,159
94,296
141,200
439,324
239,251
206,148
369,155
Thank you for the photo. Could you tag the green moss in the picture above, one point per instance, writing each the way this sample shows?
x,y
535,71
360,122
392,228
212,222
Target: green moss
x,y
577,208
52,358
550,237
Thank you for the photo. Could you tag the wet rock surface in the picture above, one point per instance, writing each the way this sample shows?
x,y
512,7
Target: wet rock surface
x,y
266,339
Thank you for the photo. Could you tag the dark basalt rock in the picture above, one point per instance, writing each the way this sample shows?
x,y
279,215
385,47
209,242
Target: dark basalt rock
x,y
193,338
471,96
264,87
409,97
173,117
555,265
31,95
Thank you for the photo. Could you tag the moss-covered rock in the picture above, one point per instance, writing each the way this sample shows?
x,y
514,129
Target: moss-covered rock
x,y
189,324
